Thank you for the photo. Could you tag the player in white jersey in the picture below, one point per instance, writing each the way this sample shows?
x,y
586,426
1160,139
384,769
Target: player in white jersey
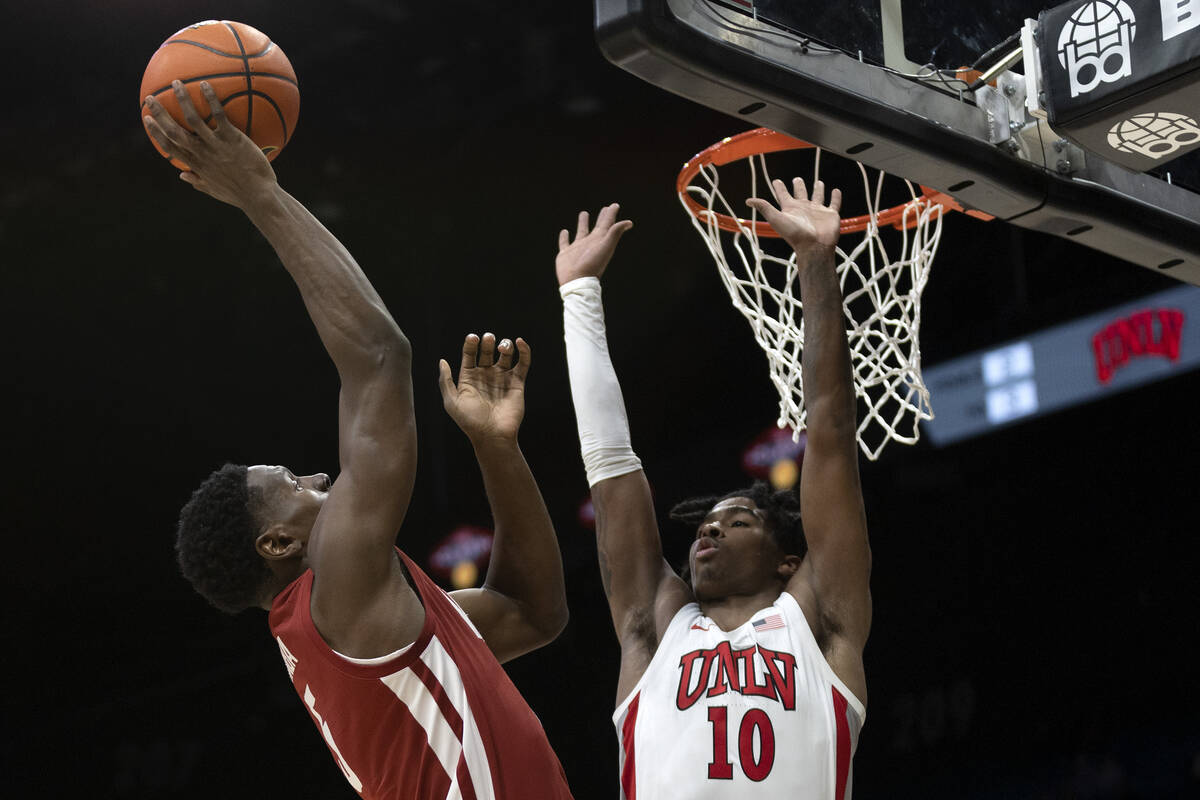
x,y
749,681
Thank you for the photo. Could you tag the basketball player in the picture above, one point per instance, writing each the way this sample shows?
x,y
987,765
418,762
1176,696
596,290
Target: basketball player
x,y
749,680
403,681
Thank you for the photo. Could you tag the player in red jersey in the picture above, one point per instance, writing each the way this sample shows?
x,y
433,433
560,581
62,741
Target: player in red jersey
x,y
405,688
749,680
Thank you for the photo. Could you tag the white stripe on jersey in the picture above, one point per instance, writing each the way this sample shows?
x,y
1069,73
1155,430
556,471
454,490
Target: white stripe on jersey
x,y
446,671
424,709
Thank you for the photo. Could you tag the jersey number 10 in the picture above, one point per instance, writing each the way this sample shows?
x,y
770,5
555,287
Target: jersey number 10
x,y
754,720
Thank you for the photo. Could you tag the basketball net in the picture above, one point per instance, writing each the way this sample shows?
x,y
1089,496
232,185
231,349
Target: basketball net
x,y
881,288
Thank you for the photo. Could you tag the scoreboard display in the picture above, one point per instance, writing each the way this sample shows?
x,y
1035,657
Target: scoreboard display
x,y
1076,362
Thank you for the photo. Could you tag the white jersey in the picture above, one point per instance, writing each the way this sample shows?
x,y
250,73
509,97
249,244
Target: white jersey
x,y
756,711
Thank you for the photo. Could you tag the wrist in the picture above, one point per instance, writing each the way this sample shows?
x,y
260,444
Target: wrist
x,y
495,445
261,197
809,251
581,282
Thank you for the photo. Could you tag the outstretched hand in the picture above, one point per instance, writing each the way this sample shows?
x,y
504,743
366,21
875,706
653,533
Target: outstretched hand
x,y
803,222
222,161
489,401
589,254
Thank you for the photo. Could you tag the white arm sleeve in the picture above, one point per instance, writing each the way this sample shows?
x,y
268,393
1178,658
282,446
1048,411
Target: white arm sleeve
x,y
599,408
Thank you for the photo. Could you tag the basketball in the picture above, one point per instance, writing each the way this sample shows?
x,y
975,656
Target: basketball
x,y
249,73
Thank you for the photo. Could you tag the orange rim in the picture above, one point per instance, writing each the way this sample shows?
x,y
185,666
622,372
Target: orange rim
x,y
764,140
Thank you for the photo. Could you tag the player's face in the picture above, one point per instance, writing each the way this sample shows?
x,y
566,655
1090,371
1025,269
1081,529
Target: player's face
x,y
290,499
733,553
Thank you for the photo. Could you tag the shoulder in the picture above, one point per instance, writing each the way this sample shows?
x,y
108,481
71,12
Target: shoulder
x,y
373,623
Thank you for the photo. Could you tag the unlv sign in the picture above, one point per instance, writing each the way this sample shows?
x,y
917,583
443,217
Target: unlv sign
x,y
1145,333
1122,77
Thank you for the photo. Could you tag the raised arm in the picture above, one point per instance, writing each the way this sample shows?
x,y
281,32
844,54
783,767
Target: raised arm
x,y
643,591
522,604
355,593
833,580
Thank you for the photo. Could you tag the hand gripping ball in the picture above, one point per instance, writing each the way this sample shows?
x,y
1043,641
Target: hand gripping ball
x,y
250,74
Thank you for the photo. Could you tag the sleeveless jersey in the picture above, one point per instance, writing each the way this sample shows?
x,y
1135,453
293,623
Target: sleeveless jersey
x,y
438,719
752,712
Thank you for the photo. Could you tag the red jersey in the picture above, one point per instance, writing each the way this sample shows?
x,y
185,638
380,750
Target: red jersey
x,y
438,719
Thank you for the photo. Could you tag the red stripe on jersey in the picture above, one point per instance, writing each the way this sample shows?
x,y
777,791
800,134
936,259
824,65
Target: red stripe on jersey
x,y
453,719
843,744
464,779
628,771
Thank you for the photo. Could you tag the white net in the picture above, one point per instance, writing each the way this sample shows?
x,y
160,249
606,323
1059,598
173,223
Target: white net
x,y
882,292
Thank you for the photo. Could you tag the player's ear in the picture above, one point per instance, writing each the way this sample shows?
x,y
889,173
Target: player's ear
x,y
788,566
277,543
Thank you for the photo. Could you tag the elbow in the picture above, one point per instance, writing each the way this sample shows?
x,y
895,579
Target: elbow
x,y
561,619
836,411
831,428
550,624
556,621
391,349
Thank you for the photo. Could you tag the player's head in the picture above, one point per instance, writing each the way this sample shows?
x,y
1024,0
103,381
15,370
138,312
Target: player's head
x,y
745,540
245,530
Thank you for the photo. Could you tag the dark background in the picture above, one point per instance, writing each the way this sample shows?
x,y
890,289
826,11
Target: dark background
x,y
1034,592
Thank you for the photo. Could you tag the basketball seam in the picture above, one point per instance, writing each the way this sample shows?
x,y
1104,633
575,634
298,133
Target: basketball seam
x,y
255,93
212,49
249,80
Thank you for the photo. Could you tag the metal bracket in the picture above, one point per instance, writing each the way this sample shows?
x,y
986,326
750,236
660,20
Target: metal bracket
x,y
1030,41
1015,131
1004,105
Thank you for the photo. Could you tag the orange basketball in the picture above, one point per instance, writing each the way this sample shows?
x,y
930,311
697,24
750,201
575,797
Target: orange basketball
x,y
250,74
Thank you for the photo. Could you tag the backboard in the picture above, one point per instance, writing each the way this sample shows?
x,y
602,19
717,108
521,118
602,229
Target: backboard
x,y
878,81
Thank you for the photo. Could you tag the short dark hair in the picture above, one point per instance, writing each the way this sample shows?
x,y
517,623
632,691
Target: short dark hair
x,y
215,541
782,509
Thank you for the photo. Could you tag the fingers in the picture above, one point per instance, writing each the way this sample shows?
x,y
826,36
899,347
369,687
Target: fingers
x,y
521,369
479,353
470,352
190,115
506,354
445,380
165,130
607,216
618,230
214,106
818,192
156,131
799,193
604,225
762,207
779,189
487,350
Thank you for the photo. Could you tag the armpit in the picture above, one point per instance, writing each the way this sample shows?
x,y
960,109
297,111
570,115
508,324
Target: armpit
x,y
640,629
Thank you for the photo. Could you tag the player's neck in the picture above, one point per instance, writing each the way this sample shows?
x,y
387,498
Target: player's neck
x,y
282,575
733,611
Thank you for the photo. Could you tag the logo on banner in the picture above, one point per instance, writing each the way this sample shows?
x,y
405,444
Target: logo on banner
x,y
1094,44
1154,135
1179,16
1155,332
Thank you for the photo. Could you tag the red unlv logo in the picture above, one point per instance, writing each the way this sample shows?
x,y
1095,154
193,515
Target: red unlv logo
x,y
1135,336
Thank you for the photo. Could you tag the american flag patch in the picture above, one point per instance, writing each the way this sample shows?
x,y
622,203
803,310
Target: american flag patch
x,y
769,623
